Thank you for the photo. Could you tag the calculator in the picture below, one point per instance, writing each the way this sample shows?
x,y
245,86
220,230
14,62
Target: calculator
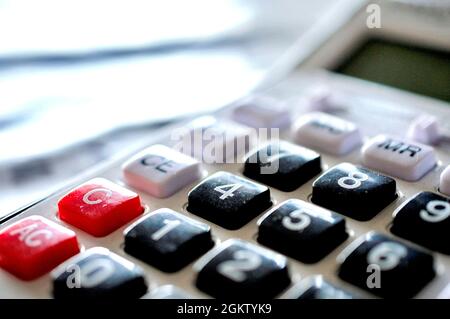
x,y
317,186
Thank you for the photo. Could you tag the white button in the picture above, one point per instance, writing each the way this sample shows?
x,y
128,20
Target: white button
x,y
320,99
161,171
213,141
261,111
397,157
424,129
327,133
444,185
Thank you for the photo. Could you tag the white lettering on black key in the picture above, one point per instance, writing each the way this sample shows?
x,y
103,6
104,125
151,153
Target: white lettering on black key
x,y
354,191
167,240
425,220
228,200
386,267
283,165
316,288
301,230
239,269
98,273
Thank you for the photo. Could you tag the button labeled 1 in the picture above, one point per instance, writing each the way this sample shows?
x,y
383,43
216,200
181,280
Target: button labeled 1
x,y
35,245
399,158
161,171
167,240
425,220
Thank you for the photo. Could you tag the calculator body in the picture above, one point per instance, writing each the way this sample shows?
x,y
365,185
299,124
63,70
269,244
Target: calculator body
x,y
373,107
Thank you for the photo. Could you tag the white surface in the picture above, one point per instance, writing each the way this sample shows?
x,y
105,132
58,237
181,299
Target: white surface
x,y
398,157
166,171
327,133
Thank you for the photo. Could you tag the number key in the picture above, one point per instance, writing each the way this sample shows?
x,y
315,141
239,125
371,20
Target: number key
x,y
167,239
385,266
354,191
301,230
228,200
240,269
98,273
425,220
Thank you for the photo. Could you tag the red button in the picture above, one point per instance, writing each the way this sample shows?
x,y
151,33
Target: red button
x,y
35,245
99,207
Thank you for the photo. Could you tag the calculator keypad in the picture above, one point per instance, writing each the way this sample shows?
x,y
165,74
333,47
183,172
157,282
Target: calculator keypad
x,y
425,220
239,269
283,165
228,200
386,267
160,246
167,240
98,273
354,191
35,245
161,171
302,230
397,157
99,207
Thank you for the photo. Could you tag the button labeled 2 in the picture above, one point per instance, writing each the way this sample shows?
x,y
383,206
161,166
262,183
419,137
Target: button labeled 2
x,y
239,269
99,207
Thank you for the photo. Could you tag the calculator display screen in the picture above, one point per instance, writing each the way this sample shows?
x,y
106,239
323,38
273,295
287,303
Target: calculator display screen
x,y
419,70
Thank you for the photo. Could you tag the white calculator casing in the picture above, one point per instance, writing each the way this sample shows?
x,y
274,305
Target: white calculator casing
x,y
374,108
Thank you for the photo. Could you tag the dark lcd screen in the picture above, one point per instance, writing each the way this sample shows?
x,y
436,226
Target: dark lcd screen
x,y
410,68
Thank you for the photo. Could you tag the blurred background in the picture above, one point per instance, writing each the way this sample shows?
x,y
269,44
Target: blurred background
x,y
80,80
